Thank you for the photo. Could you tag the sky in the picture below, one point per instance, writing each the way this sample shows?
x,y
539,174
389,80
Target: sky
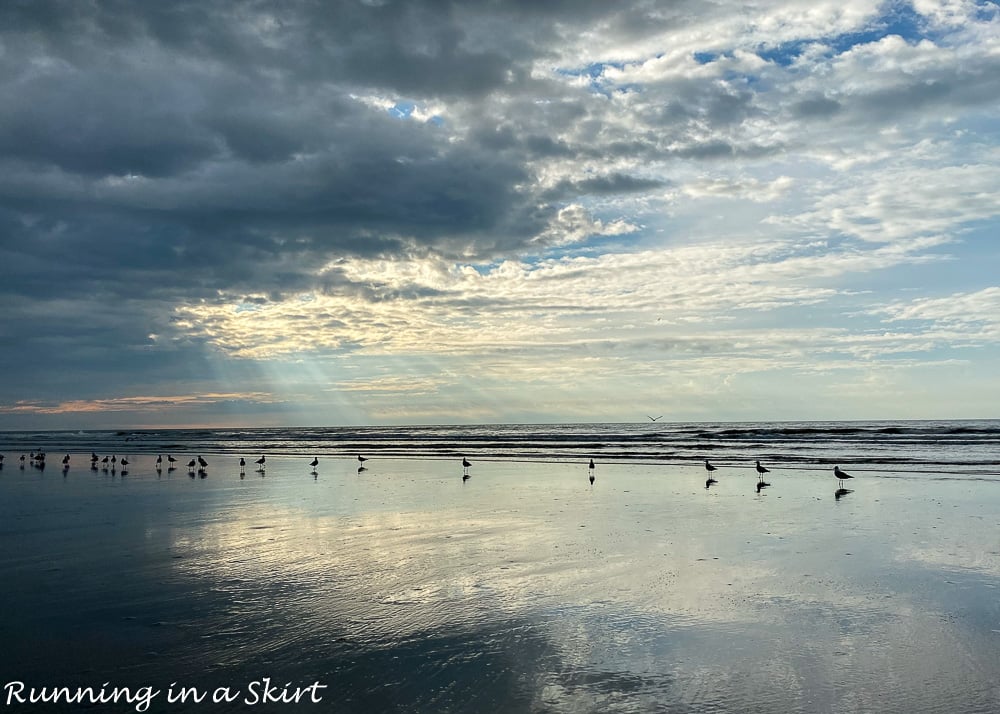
x,y
379,212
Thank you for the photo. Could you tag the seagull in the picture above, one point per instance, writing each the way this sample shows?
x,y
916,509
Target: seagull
x,y
124,464
202,463
761,471
841,474
592,466
191,465
465,465
105,461
171,460
654,418
243,464
66,460
260,463
159,461
710,468
361,459
315,462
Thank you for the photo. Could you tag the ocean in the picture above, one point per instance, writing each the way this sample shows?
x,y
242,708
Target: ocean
x,y
527,582
968,447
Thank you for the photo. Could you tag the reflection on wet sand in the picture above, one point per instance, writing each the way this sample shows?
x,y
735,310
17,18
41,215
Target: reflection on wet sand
x,y
524,591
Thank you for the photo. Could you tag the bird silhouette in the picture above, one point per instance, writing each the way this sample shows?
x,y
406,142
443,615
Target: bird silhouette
x,y
314,463
841,475
652,418
202,463
243,465
709,467
159,461
761,471
465,468
260,463
171,460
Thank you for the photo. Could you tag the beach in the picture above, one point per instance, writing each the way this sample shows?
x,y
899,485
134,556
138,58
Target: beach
x,y
403,588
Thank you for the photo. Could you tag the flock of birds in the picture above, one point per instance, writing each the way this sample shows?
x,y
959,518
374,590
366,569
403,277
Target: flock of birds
x,y
200,466
841,476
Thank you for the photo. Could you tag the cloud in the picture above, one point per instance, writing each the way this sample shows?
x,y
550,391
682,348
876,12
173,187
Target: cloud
x,y
216,188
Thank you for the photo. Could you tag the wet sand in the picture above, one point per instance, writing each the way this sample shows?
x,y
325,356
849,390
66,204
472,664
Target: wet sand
x,y
404,589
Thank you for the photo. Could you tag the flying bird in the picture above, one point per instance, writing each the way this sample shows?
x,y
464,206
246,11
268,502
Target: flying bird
x,y
654,418
842,475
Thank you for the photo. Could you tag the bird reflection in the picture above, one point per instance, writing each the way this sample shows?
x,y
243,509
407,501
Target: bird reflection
x,y
711,482
841,492
762,484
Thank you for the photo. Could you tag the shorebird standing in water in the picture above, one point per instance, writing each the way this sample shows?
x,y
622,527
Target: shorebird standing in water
x,y
159,462
465,468
591,468
710,481
314,463
243,466
260,463
842,475
761,471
